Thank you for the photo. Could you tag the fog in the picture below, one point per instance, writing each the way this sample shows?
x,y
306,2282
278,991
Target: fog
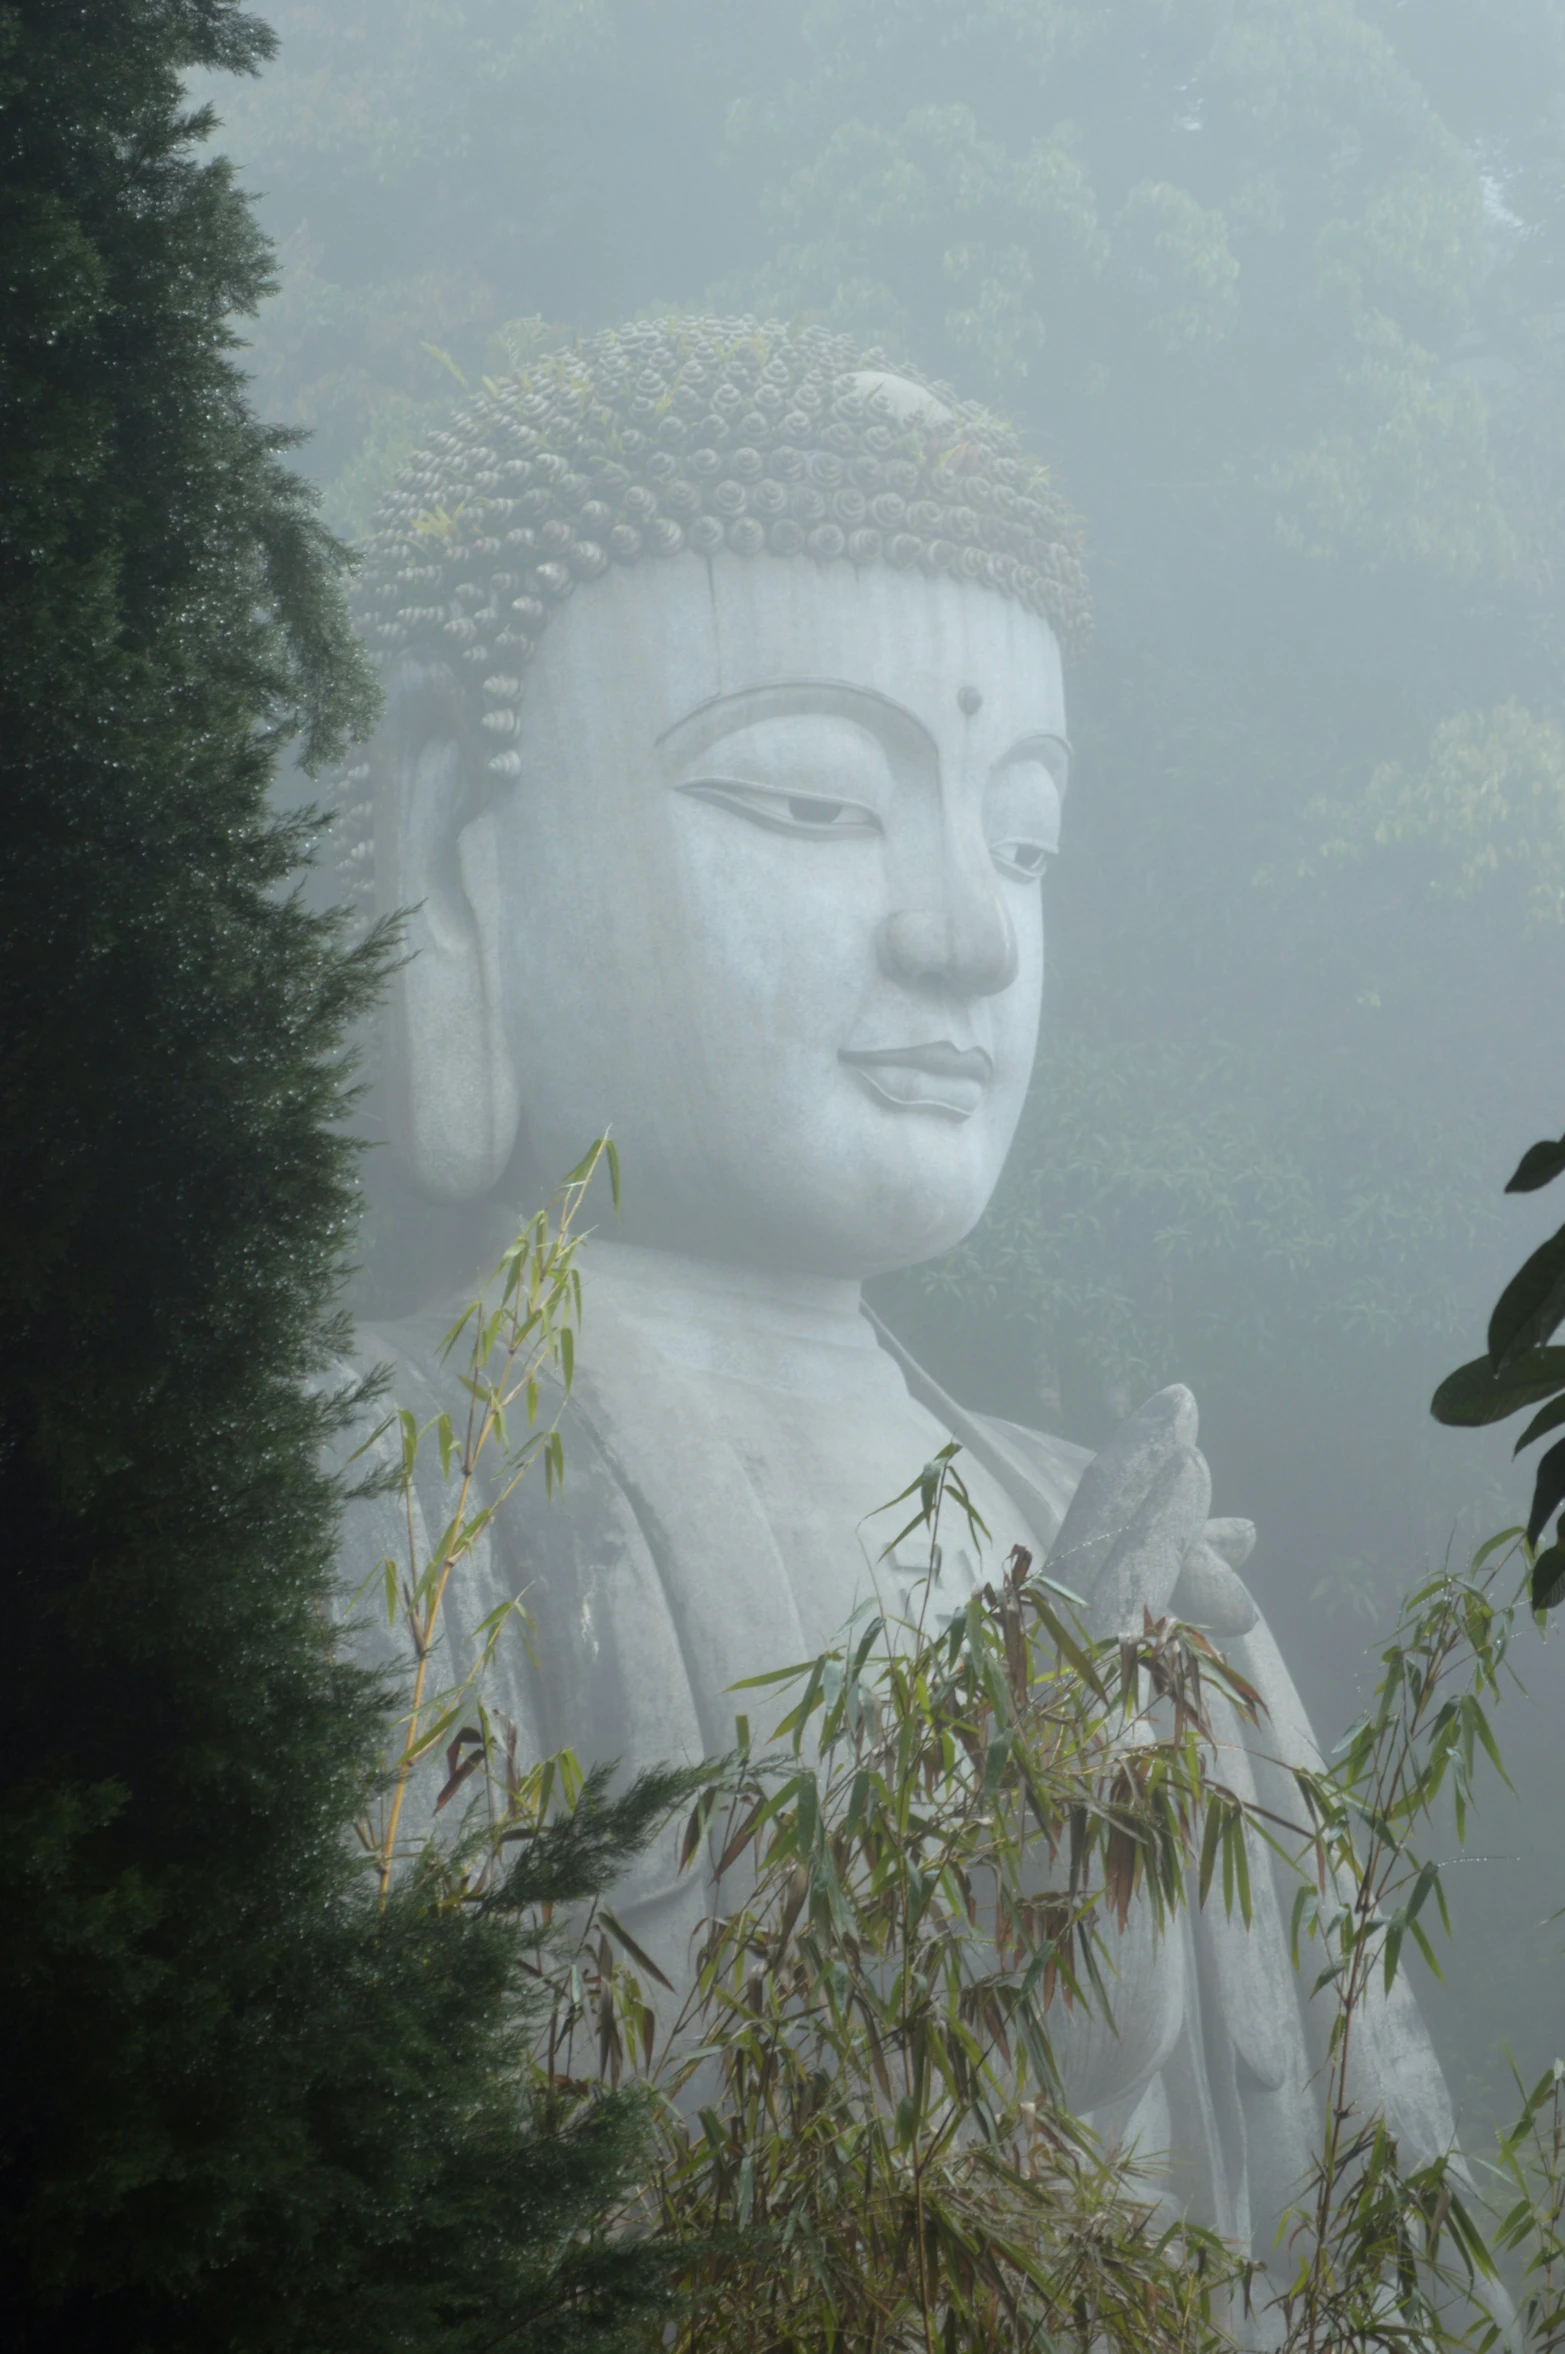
x,y
1275,290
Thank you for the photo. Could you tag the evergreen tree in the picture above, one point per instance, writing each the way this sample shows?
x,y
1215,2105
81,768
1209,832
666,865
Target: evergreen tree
x,y
239,2106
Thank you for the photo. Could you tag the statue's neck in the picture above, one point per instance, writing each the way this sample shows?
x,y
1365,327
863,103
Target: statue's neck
x,y
783,1330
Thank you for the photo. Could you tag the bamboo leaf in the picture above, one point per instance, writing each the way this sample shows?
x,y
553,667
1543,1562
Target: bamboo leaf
x,y
638,1954
1416,1932
1242,1867
379,1432
1209,1843
694,1830
1427,1879
1069,1649
776,1675
1485,1732
760,1814
454,1781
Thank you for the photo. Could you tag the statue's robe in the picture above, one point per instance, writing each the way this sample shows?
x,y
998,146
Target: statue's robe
x,y
725,1456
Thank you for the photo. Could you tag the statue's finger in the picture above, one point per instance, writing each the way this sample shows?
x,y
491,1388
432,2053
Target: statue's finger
x,y
1232,1541
1116,1483
1209,1594
1141,1572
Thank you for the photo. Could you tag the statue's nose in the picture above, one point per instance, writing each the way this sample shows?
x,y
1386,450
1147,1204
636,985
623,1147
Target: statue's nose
x,y
971,952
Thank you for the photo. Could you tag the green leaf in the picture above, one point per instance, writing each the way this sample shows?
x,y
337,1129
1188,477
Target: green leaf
x,y
1069,1649
1491,1545
775,1675
1548,1490
1476,1394
1539,1165
1214,1825
1427,1950
797,1718
976,1523
756,1820
1532,1303
1479,1721
1548,1578
1242,1867
582,1171
1065,1593
638,1954
470,1315
1548,1418
454,1528
925,1485
378,1432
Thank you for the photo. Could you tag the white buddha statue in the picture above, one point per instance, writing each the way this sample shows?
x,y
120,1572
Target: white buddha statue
x,y
724,754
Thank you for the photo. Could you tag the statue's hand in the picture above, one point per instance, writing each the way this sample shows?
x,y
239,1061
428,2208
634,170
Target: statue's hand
x,y
1210,1593
1137,1537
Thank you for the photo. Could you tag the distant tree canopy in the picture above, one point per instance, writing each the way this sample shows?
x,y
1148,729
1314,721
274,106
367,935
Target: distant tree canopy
x,y
240,2106
1276,284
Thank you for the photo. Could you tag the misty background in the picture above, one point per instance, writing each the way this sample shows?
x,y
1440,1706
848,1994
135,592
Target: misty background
x,y
1278,288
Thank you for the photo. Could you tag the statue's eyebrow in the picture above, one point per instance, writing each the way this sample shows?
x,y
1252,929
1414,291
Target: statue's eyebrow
x,y
787,698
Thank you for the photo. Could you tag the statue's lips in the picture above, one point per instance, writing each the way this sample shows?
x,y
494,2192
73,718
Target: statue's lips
x,y
945,1080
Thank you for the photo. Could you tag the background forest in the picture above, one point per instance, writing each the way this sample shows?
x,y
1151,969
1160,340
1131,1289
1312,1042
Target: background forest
x,y
1279,287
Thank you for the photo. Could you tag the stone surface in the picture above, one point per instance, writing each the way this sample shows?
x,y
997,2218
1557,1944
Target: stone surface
x,y
762,897
736,881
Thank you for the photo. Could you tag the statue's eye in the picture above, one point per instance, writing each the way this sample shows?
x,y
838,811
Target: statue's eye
x,y
814,815
1025,860
1022,812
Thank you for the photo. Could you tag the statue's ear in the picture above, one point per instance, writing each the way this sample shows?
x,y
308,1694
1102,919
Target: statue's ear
x,y
454,1092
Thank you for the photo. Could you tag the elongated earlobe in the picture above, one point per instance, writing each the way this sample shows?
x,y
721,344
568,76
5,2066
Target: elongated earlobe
x,y
455,1100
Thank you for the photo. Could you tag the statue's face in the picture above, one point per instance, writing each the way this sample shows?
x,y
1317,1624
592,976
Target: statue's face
x,y
766,901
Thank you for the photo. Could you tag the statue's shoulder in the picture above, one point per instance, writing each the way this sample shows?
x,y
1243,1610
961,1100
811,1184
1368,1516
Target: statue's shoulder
x,y
1039,1473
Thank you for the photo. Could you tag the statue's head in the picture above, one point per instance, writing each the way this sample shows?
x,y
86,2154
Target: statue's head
x,y
724,750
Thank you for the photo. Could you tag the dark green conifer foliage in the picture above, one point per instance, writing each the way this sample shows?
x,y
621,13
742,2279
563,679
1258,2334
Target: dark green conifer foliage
x,y
238,2109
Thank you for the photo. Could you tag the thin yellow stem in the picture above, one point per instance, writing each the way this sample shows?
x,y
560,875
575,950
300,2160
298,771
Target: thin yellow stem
x,y
410,1741
474,1443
